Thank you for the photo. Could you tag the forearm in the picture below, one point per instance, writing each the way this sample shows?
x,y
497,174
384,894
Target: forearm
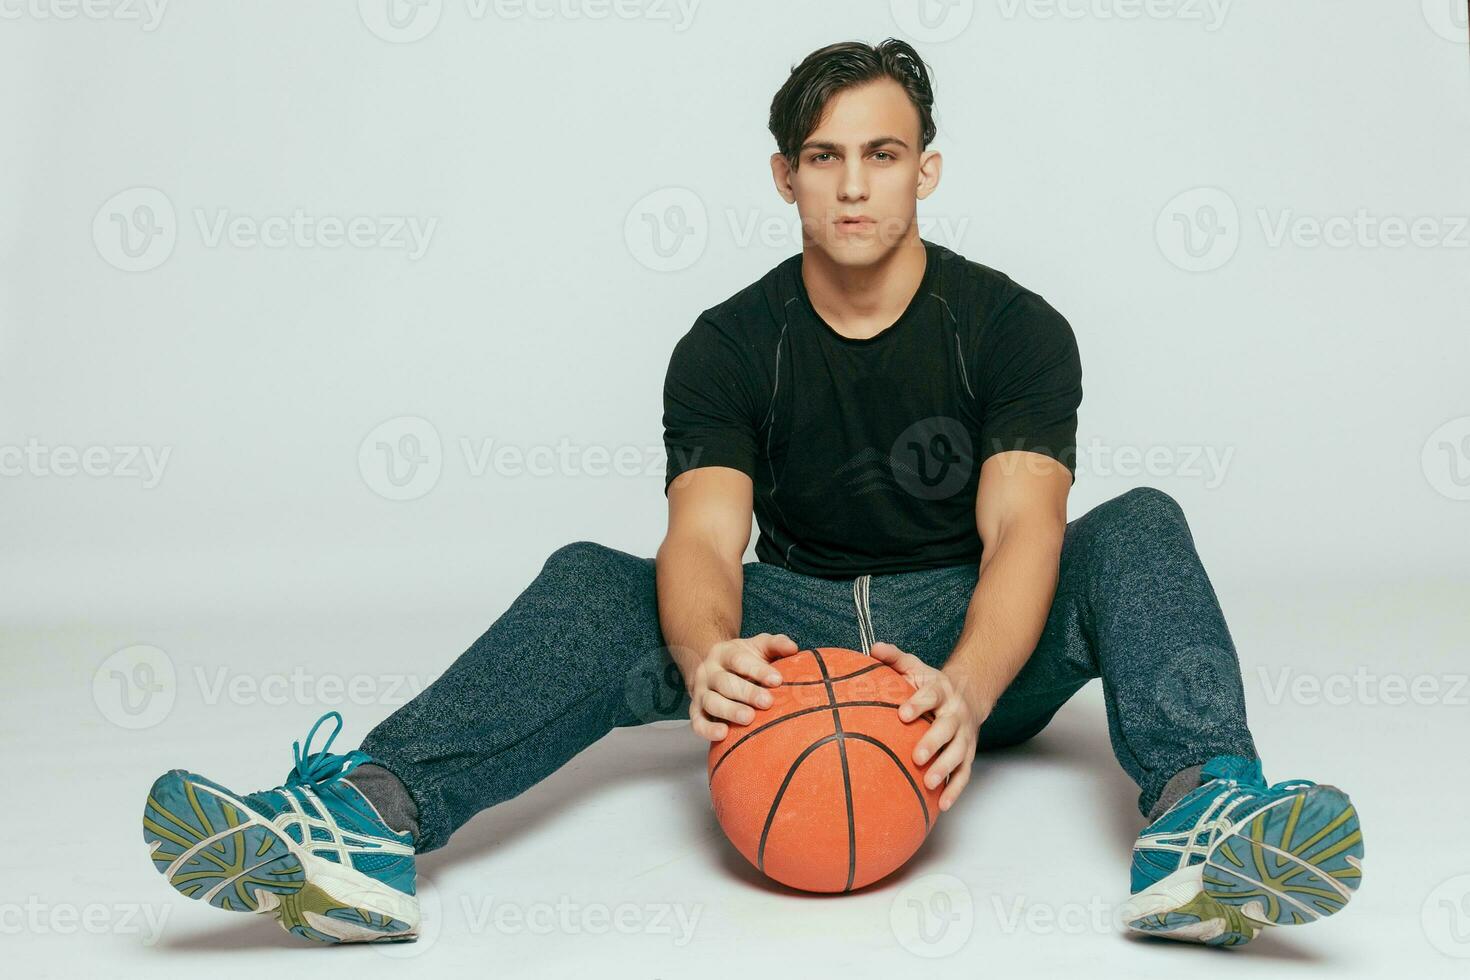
x,y
1008,610
699,591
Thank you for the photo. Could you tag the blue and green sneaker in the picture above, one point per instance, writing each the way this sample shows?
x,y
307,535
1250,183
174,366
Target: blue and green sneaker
x,y
1235,855
315,851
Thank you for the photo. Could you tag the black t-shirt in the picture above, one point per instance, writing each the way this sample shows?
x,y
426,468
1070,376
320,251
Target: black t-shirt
x,y
865,454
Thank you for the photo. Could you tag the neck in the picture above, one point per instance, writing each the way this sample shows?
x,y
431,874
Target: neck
x,y
862,301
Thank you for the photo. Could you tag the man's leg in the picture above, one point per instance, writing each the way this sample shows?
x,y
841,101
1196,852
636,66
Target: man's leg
x,y
331,852
579,653
1224,854
1133,606
544,681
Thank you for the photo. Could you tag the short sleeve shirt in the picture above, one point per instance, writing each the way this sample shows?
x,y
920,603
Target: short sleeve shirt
x,y
865,454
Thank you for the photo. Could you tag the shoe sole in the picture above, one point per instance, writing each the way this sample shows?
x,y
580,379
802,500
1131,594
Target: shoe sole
x,y
1297,861
1176,907
212,847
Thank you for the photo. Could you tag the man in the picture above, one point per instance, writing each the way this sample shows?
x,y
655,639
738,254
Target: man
x,y
902,423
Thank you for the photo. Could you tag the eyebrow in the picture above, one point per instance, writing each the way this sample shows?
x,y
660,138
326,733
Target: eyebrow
x,y
871,144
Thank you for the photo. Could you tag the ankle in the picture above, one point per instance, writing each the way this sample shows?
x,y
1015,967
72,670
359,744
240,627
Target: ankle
x,y
1175,790
387,795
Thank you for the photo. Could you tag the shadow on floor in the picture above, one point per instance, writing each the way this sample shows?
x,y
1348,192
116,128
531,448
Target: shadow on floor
x,y
671,756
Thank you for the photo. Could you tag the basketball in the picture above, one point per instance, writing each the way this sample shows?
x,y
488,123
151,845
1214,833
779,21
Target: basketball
x,y
820,791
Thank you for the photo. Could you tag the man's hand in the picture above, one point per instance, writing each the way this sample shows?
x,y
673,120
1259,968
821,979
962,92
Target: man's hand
x,y
955,727
721,685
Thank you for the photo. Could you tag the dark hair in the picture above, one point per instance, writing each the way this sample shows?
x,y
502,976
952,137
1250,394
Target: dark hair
x,y
798,106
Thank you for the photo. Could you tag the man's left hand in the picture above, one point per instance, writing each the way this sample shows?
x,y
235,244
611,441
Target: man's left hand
x,y
951,739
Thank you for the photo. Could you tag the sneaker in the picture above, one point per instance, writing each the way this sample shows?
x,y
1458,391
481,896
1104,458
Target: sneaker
x,y
315,852
1236,855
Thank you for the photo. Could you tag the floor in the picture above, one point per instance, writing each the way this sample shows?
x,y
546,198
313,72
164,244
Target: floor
x,y
616,860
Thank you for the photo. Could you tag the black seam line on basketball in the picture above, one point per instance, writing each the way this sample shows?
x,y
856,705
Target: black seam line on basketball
x,y
836,680
923,805
795,714
760,854
846,774
840,738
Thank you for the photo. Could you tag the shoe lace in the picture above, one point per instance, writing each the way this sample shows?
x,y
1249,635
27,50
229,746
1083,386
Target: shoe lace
x,y
321,767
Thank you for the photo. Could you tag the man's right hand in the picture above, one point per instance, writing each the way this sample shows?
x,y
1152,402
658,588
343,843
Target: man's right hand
x,y
726,684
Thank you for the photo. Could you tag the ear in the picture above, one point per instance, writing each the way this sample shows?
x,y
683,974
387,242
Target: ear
x,y
781,174
930,165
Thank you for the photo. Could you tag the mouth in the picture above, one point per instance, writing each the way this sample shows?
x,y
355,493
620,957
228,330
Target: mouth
x,y
855,224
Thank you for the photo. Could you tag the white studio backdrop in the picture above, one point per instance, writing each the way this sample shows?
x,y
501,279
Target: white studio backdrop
x,y
367,306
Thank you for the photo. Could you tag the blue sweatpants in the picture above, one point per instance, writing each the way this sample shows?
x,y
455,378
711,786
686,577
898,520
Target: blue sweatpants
x,y
580,652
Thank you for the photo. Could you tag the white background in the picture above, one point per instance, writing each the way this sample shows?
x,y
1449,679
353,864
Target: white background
x,y
1136,164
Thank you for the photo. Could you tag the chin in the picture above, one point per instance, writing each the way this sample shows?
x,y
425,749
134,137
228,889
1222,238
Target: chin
x,y
854,250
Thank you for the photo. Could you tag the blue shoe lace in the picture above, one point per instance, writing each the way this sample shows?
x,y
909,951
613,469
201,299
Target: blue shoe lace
x,y
320,768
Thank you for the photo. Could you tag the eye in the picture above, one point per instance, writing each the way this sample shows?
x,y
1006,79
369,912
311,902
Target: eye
x,y
886,154
819,156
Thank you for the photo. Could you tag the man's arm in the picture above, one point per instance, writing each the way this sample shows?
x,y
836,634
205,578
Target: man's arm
x,y
699,577
1021,514
698,569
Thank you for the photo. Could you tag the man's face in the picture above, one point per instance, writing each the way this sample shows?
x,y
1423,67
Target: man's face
x,y
861,162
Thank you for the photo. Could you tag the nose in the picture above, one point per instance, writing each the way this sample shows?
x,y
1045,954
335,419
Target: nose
x,y
854,185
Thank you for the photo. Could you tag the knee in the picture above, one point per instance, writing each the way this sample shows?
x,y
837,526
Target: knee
x,y
578,551
1136,515
589,570
1149,500
578,556
1143,507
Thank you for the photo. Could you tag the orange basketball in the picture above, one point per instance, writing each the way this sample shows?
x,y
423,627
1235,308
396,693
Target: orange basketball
x,y
820,790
